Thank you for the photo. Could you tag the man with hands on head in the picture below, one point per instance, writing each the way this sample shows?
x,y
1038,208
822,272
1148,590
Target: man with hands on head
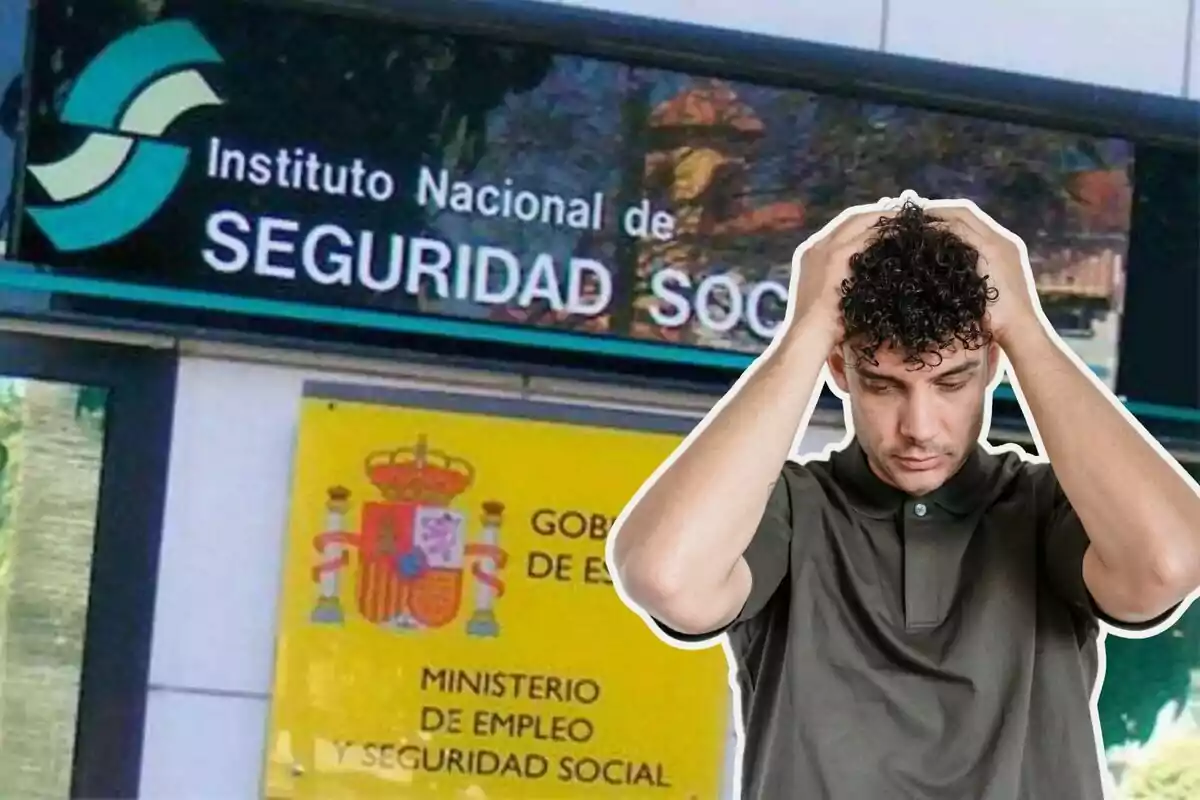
x,y
916,616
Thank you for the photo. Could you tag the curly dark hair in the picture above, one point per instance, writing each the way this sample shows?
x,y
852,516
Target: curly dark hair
x,y
915,287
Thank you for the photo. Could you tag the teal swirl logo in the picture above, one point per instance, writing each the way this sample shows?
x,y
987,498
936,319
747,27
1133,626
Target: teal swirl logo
x,y
121,175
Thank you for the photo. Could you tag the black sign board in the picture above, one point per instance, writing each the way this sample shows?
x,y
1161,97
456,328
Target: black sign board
x,y
299,163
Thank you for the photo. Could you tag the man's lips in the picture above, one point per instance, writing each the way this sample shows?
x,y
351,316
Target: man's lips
x,y
918,464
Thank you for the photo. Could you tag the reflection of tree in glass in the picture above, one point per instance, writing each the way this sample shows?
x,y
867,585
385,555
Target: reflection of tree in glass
x,y
705,142
1067,195
633,144
558,139
10,428
1171,773
632,134
582,130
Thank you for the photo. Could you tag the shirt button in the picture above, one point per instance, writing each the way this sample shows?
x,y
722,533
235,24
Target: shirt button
x,y
919,509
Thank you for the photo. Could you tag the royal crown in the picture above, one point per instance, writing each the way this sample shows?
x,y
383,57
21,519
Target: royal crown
x,y
419,475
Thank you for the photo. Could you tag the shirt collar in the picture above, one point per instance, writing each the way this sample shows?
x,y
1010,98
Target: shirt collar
x,y
960,495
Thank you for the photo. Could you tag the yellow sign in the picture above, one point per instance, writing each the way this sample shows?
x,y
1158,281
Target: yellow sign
x,y
448,627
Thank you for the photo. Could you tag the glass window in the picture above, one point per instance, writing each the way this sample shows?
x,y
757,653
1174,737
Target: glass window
x,y
51,448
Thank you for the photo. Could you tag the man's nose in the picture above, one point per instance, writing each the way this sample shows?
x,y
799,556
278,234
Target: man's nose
x,y
918,421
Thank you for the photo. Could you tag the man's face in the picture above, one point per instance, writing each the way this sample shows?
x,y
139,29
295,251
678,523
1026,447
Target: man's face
x,y
916,426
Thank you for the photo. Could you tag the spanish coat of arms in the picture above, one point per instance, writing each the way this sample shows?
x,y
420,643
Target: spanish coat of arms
x,y
411,552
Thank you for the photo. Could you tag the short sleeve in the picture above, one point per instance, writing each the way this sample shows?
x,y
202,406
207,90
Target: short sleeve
x,y
768,552
1064,544
767,556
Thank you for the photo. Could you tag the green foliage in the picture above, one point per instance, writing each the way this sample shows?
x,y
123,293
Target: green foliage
x,y
1172,773
10,428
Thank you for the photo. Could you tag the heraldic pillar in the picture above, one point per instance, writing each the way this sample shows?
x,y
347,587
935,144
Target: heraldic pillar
x,y
487,587
331,546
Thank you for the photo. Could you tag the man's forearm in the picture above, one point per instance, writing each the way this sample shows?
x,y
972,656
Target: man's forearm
x,y
1141,516
688,531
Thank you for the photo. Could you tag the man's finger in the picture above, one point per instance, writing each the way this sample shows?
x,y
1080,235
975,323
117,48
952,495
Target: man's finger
x,y
857,227
848,215
973,226
968,209
962,222
957,221
950,213
968,214
846,227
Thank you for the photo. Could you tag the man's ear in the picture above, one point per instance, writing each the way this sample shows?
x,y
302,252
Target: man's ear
x,y
993,361
837,369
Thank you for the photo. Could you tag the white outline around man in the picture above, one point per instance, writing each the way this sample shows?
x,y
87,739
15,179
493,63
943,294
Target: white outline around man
x,y
913,613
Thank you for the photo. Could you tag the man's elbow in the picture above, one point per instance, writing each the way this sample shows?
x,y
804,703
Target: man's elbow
x,y
1145,593
680,605
646,582
691,614
1172,576
646,572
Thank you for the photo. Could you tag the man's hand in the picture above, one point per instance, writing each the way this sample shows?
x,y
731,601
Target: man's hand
x,y
822,263
1002,260
1138,510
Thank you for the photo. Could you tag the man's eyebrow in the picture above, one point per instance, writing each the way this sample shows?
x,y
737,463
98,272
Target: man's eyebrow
x,y
873,375
961,369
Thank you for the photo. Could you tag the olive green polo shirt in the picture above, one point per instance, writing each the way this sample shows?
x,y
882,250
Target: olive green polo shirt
x,y
941,647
